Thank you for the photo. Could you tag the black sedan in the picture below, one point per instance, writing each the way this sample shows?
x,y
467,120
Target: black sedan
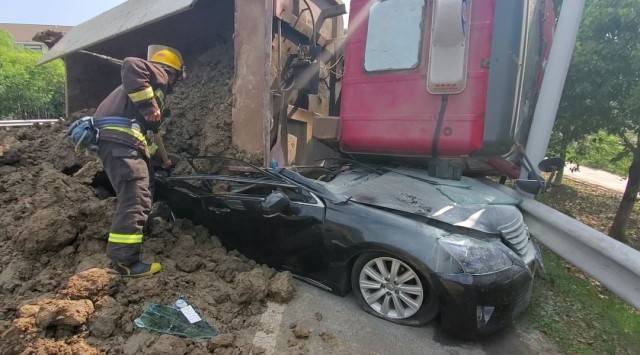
x,y
410,246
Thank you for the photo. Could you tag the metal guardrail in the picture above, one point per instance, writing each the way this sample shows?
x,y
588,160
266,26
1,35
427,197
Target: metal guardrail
x,y
614,264
27,123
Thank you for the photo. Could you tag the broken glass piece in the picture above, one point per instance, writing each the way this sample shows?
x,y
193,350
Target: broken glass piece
x,y
168,320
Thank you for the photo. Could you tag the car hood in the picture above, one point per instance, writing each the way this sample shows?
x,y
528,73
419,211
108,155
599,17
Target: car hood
x,y
469,203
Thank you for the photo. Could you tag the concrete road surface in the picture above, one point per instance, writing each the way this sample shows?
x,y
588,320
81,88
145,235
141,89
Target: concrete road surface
x,y
598,178
344,328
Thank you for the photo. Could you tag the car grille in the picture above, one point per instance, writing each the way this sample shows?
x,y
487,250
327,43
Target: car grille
x,y
516,235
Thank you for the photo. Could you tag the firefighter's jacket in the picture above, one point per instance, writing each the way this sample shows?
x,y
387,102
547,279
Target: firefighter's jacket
x,y
143,89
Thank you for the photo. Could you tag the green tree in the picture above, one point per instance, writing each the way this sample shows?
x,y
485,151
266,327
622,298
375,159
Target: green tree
x,y
608,55
581,109
585,100
28,90
601,151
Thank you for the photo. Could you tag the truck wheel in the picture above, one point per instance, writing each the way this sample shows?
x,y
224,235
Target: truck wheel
x,y
392,289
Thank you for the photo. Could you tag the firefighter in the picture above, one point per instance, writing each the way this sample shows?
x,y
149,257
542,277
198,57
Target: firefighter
x,y
124,118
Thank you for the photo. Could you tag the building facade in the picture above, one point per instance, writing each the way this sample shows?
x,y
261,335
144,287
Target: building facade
x,y
23,34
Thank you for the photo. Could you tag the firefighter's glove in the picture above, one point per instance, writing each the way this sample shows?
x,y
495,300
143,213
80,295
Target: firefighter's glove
x,y
167,165
153,115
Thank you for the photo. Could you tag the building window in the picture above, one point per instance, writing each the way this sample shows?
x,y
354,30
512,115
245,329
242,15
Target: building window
x,y
33,46
394,35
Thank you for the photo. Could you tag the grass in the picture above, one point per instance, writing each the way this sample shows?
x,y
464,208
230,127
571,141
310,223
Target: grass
x,y
572,309
580,316
599,151
593,206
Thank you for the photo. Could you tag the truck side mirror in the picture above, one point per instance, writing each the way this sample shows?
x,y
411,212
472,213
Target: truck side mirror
x,y
276,203
532,187
551,165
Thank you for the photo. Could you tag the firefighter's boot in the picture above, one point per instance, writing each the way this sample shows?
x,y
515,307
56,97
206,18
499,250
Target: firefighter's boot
x,y
138,269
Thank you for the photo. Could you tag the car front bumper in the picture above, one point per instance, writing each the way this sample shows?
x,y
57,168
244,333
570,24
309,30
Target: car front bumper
x,y
478,305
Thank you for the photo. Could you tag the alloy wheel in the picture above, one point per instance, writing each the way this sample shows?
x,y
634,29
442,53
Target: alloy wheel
x,y
391,288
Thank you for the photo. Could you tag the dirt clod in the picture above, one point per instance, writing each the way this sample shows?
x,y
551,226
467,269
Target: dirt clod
x,y
296,347
50,312
88,172
223,340
48,229
250,286
52,347
327,337
281,287
105,320
301,332
92,284
167,345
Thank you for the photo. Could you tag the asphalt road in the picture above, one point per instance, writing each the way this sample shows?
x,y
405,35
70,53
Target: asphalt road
x,y
598,178
349,330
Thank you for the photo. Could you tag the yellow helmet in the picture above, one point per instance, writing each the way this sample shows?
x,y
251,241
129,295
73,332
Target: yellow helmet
x,y
165,55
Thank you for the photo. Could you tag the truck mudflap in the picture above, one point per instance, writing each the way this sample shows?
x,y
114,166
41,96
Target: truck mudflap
x,y
474,306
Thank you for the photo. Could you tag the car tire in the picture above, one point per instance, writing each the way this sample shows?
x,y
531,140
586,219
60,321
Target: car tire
x,y
418,309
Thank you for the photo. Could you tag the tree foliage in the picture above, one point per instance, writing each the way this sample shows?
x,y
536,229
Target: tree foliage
x,y
585,103
603,89
601,150
27,90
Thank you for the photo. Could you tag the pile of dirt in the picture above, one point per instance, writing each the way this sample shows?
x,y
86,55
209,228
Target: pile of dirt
x,y
35,145
94,309
200,122
57,293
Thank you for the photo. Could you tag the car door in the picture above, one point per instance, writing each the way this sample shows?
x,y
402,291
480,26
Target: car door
x,y
297,242
231,198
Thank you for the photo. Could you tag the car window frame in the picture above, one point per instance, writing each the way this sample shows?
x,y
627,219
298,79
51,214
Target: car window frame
x,y
316,194
256,181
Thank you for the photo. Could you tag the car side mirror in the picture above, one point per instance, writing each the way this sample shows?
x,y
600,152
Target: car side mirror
x,y
530,186
277,202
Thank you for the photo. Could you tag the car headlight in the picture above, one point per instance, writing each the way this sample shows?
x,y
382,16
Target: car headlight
x,y
476,256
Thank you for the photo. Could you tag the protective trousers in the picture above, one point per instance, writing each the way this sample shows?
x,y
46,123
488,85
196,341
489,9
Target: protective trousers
x,y
128,173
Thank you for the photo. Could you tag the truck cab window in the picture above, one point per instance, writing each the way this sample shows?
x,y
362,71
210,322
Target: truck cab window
x,y
394,35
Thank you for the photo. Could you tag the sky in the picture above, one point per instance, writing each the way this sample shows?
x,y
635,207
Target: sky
x,y
53,12
348,3
64,12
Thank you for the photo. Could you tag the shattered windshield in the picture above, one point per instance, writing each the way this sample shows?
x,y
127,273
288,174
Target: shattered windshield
x,y
169,320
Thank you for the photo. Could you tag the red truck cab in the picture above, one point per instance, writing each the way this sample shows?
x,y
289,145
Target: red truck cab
x,y
442,78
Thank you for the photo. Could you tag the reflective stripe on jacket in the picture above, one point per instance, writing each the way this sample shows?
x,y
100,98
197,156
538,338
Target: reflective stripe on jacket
x,y
120,128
